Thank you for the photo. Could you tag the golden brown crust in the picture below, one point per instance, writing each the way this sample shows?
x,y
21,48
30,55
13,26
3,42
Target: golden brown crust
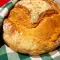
x,y
47,13
34,39
23,15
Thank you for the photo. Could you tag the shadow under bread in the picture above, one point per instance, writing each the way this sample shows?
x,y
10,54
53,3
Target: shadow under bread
x,y
1,34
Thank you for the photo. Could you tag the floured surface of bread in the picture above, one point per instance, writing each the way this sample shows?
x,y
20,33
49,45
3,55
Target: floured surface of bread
x,y
34,39
36,7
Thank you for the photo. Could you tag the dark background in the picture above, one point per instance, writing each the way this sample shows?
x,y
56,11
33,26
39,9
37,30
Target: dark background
x,y
1,35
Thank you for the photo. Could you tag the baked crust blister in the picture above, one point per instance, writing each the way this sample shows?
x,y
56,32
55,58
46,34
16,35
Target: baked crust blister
x,y
34,39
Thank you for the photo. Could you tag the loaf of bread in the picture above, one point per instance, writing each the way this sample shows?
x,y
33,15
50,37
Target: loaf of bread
x,y
33,27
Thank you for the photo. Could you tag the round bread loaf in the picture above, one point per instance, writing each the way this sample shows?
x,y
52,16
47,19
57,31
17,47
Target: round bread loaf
x,y
34,38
